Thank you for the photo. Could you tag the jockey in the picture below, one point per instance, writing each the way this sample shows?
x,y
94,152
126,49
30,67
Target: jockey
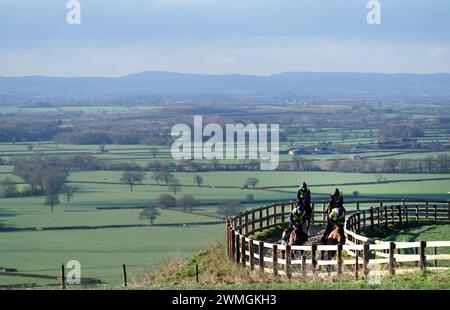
x,y
338,198
297,218
336,215
304,196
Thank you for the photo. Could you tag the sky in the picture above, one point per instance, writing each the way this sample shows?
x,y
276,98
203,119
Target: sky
x,y
263,37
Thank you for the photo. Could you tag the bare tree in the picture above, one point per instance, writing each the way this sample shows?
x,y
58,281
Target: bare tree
x,y
229,208
166,201
154,151
187,202
69,192
51,200
174,185
251,182
52,183
8,188
198,179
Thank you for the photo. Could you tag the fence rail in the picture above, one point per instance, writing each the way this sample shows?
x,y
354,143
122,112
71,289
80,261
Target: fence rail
x,y
361,253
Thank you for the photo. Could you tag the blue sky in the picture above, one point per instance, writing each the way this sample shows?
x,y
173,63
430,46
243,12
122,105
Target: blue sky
x,y
117,37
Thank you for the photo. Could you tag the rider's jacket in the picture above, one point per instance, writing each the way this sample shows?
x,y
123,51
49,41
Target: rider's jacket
x,y
337,215
298,217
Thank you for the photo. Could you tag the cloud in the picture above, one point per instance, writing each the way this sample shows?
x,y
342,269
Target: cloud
x,y
222,36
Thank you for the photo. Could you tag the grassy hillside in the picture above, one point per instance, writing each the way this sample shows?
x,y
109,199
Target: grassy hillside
x,y
217,272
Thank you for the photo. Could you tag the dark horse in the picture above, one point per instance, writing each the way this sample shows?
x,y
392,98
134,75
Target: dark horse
x,y
298,236
334,238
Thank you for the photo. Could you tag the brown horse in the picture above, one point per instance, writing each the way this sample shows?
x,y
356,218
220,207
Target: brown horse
x,y
334,238
296,237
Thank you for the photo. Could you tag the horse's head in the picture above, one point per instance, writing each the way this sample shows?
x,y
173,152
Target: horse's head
x,y
298,236
337,234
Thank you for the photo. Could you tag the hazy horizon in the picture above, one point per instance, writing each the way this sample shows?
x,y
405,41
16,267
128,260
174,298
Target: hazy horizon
x,y
222,74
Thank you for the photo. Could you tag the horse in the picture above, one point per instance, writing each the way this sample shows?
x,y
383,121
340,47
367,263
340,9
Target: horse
x,y
335,237
298,236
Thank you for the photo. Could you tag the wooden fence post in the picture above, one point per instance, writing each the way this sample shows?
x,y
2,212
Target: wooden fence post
x,y
366,259
283,217
416,252
357,206
435,252
267,216
339,259
63,277
312,212
392,216
260,218
124,276
243,252
423,246
250,254
371,217
240,222
386,224
364,218
227,238
230,239
359,222
313,257
426,210
261,255
246,221
275,214
233,244
197,273
253,220
238,250
274,259
391,258
356,264
287,265
399,216
303,266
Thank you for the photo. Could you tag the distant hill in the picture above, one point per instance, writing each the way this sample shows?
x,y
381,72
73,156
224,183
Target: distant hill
x,y
148,85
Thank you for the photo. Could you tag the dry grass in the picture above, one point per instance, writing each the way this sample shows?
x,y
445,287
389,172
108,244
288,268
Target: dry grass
x,y
217,270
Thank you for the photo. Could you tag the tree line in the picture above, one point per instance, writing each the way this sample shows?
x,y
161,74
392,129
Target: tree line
x,y
28,130
43,178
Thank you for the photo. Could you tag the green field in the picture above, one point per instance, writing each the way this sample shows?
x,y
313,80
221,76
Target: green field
x,y
423,233
101,252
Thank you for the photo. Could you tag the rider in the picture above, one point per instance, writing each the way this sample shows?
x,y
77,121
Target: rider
x,y
298,217
336,215
304,196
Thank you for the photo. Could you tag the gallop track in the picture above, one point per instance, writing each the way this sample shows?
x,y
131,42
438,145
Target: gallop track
x,y
360,254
